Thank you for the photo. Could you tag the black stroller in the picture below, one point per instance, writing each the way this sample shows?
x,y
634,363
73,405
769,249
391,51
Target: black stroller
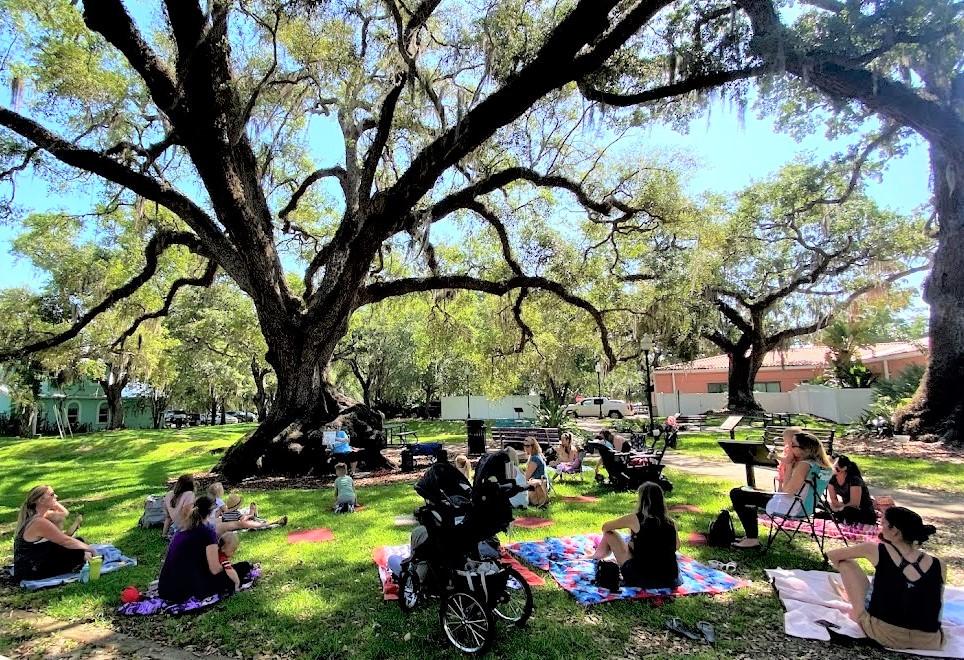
x,y
456,557
630,470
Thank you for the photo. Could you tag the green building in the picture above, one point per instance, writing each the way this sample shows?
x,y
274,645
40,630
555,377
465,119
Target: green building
x,y
83,405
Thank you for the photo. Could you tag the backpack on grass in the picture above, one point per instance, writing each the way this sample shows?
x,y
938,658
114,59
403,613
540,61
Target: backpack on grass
x,y
607,575
154,513
721,533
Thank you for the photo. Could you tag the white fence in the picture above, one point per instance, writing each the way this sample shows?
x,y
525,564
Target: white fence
x,y
480,407
838,405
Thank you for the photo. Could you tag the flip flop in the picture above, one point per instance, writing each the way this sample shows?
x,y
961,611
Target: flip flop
x,y
734,546
706,628
677,626
727,567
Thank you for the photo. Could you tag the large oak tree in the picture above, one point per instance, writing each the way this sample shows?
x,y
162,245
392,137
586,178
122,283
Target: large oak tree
x,y
211,117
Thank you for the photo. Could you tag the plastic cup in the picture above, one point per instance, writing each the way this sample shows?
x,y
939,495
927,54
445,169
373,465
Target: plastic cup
x,y
95,565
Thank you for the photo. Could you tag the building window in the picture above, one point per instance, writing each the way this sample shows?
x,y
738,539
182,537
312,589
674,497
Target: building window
x,y
716,388
73,413
766,387
103,413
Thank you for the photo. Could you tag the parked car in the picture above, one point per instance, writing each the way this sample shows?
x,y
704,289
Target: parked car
x,y
205,418
243,416
176,418
600,406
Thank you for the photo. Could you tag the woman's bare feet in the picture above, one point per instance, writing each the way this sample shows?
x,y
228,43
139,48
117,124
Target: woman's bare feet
x,y
253,510
837,587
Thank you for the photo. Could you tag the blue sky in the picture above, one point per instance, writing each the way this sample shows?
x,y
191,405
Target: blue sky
x,y
729,154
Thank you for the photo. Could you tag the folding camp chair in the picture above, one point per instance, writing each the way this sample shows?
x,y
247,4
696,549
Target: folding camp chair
x,y
809,504
574,470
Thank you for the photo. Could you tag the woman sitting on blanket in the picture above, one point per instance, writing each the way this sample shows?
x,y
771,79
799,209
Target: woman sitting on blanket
x,y
40,548
902,609
536,473
566,455
193,568
648,561
807,455
849,496
177,505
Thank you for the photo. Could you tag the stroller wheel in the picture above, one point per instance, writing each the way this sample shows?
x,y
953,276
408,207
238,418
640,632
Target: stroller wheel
x,y
409,589
467,622
515,604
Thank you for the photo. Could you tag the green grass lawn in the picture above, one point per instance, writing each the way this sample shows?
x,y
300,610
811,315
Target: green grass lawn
x,y
324,600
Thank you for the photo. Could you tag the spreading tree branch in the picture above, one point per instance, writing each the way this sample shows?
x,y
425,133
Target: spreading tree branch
x,y
337,171
692,84
204,280
378,291
160,242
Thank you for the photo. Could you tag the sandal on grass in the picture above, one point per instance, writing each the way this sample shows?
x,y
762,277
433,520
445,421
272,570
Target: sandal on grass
x,y
677,626
736,545
706,628
727,567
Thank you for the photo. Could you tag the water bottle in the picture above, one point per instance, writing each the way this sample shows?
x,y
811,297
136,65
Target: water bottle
x,y
85,573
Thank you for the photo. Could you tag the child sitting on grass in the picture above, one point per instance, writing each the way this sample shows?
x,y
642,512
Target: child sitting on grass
x,y
227,547
232,519
345,500
216,493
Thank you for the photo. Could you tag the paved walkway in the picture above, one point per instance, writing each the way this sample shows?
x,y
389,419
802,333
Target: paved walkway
x,y
929,504
59,639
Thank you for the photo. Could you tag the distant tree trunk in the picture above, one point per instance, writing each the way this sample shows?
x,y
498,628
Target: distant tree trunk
x,y
214,407
158,406
261,398
224,401
741,380
937,410
558,392
113,386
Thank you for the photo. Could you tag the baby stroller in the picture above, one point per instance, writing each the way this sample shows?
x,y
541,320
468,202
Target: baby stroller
x,y
455,555
630,470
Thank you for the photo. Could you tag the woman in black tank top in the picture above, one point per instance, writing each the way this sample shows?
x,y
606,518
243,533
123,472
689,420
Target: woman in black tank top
x,y
649,559
902,608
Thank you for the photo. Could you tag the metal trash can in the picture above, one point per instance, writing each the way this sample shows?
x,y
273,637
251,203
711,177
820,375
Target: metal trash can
x,y
475,429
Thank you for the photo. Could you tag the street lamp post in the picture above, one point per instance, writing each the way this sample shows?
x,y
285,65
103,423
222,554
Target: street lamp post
x,y
646,343
599,368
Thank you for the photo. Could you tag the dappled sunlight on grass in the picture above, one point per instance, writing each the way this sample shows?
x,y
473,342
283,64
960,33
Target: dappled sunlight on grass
x,y
324,599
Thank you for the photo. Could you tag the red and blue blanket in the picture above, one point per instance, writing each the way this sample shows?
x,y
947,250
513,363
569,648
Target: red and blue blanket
x,y
569,561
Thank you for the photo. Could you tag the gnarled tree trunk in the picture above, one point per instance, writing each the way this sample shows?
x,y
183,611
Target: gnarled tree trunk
x,y
113,385
289,441
740,382
937,409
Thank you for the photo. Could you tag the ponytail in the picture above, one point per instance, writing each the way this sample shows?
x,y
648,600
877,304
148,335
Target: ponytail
x,y
203,506
909,524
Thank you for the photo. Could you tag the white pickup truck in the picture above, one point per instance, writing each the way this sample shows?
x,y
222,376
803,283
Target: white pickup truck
x,y
600,406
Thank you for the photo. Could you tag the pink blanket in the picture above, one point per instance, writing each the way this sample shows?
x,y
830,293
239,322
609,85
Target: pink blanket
x,y
854,533
808,598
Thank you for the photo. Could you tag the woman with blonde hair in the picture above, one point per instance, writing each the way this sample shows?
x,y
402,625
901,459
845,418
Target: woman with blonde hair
x,y
807,459
462,465
536,472
40,548
648,561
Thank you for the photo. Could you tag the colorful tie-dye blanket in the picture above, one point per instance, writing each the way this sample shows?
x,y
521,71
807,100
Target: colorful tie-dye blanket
x,y
390,590
855,533
569,561
154,604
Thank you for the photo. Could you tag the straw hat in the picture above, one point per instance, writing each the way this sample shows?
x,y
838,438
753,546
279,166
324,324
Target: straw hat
x,y
232,501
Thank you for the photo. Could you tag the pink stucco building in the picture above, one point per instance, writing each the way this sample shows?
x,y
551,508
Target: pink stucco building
x,y
784,370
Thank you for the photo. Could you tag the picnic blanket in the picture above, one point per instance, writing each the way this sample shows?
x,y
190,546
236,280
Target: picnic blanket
x,y
857,533
113,560
381,554
154,604
569,561
807,598
319,535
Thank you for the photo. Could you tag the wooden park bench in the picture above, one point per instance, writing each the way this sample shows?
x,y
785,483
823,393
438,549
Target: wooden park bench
x,y
514,436
397,434
699,421
773,436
